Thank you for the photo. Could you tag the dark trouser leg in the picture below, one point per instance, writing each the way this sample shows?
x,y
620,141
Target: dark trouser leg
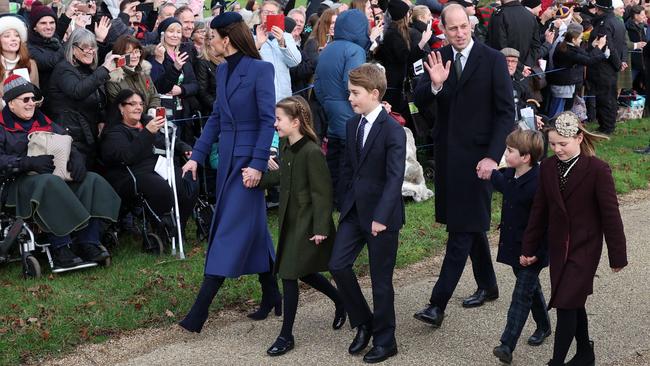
x,y
520,306
290,295
349,242
538,307
565,331
606,105
335,151
482,262
458,248
582,331
382,253
321,284
197,316
89,234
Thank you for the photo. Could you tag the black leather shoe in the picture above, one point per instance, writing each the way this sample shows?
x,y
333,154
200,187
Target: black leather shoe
x,y
538,337
586,358
92,252
481,296
339,318
503,353
361,340
64,257
380,353
431,315
281,346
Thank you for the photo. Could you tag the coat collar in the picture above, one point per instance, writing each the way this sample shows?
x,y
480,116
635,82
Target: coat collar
x,y
532,174
238,74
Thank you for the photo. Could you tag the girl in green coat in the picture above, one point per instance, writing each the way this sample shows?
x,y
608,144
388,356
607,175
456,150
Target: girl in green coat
x,y
305,215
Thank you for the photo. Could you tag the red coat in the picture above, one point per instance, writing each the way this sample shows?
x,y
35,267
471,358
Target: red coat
x,y
576,219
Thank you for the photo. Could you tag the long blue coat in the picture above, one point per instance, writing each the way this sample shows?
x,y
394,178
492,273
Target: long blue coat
x,y
242,121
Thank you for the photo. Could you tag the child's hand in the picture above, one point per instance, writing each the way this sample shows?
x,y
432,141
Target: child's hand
x,y
376,228
273,165
318,238
527,261
616,270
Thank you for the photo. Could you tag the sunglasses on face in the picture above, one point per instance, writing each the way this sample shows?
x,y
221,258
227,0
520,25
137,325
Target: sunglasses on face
x,y
27,99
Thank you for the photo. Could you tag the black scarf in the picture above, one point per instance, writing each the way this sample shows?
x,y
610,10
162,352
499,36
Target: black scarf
x,y
564,170
37,40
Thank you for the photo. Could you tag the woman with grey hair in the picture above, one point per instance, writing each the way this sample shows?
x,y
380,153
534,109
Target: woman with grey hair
x,y
76,97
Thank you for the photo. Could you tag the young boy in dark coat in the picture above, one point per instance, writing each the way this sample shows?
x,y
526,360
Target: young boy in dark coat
x,y
518,184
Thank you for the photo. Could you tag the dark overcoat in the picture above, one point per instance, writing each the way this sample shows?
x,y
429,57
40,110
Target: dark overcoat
x,y
475,114
576,218
517,201
305,209
242,121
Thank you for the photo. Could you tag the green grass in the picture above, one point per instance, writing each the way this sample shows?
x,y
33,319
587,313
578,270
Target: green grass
x,y
50,315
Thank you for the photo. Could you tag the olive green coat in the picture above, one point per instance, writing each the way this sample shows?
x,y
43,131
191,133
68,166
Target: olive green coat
x,y
305,209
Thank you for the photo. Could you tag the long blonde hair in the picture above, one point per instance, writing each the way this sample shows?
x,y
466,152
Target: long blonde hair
x,y
298,108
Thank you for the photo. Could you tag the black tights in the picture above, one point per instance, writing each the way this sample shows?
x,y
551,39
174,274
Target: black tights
x,y
571,323
290,292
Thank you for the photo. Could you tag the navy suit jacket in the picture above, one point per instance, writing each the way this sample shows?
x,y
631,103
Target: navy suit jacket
x,y
373,180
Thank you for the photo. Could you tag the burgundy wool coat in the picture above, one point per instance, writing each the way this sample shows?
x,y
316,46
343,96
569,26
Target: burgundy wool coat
x,y
576,219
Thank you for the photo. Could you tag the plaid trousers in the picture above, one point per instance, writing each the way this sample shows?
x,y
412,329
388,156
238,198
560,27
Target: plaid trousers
x,y
527,297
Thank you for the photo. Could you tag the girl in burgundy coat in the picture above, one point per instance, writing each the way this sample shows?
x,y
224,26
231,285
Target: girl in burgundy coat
x,y
577,201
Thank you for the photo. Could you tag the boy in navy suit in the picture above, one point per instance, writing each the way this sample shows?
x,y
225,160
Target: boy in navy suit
x,y
372,212
518,184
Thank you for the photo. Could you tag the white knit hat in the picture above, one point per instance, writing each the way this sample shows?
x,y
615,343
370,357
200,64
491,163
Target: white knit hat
x,y
12,22
617,4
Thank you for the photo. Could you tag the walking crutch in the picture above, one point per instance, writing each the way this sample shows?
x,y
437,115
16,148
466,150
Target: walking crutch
x,y
171,180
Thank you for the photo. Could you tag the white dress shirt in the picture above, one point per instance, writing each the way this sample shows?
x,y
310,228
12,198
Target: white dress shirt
x,y
371,118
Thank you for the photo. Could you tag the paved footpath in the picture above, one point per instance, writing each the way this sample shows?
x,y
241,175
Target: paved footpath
x,y
619,316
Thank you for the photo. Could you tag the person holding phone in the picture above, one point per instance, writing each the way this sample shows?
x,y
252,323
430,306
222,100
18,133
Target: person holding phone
x,y
397,54
130,140
134,75
77,97
277,47
173,74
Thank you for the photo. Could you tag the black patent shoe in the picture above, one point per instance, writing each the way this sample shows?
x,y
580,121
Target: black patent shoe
x,y
361,340
64,257
503,353
538,337
431,315
281,346
339,318
380,354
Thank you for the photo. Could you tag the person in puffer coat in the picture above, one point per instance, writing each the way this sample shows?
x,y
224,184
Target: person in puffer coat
x,y
346,52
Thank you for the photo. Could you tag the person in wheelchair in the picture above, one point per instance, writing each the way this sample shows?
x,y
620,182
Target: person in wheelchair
x,y
133,140
69,212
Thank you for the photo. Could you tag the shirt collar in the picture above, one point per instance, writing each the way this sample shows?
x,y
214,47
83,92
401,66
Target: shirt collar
x,y
372,116
465,52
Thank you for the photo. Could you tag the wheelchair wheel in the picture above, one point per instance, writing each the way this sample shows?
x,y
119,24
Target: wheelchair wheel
x,y
106,262
33,268
153,244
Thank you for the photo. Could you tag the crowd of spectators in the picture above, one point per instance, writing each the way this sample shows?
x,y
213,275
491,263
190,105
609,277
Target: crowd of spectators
x,y
87,61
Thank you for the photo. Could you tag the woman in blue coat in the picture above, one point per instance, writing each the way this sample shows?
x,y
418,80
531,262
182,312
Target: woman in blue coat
x,y
242,122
